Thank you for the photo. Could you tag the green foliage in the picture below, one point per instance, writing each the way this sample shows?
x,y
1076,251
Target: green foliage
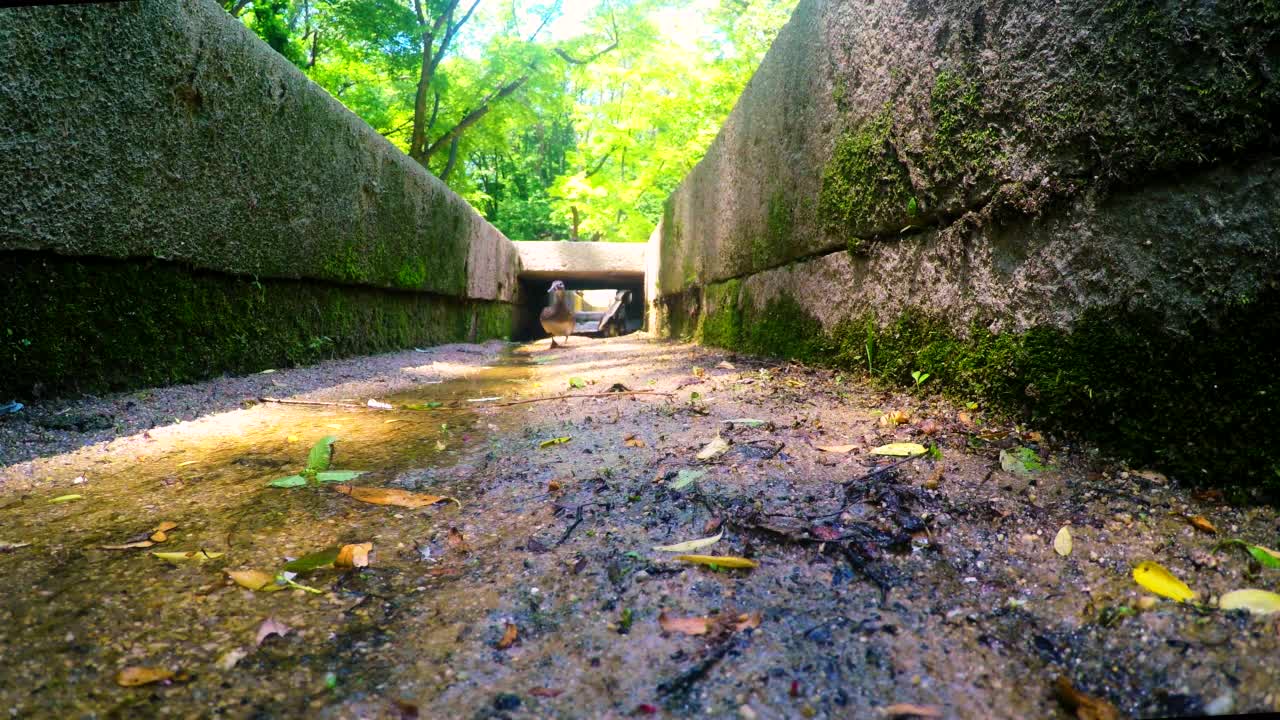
x,y
605,122
865,188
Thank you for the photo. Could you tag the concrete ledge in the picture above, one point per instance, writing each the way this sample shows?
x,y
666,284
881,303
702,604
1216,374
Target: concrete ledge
x,y
583,264
166,129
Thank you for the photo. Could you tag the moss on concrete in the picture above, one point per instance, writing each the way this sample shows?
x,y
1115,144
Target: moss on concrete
x,y
93,325
865,188
1191,403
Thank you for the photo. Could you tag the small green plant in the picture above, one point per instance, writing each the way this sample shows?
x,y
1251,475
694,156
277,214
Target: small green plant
x,y
913,207
919,377
870,351
935,452
317,470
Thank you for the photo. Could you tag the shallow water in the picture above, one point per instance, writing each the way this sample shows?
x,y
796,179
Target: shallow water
x,y
75,614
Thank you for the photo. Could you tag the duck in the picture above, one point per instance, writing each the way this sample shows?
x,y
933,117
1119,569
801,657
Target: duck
x,y
558,318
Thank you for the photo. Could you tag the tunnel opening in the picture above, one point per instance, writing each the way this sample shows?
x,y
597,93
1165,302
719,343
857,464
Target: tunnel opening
x,y
603,308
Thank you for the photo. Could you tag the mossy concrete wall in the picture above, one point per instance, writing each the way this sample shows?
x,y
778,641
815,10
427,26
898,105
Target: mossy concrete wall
x,y
163,130
1067,208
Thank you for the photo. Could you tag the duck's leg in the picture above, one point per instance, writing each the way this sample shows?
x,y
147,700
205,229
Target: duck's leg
x,y
553,343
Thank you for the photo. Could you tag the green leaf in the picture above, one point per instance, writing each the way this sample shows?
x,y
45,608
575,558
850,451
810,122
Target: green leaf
x,y
1265,556
321,454
685,477
292,481
66,498
577,382
337,476
747,422
313,561
433,405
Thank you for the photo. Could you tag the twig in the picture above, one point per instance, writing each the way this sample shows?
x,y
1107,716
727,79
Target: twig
x,y
314,402
578,520
592,395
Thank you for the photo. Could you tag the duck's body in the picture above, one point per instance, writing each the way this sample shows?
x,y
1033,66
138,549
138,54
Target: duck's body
x,y
557,319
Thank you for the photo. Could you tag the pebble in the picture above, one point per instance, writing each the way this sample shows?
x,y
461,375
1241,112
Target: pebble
x,y
746,713
1221,705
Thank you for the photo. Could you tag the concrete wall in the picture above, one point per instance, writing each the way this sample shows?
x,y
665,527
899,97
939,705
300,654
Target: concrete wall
x,y
1071,209
583,264
165,131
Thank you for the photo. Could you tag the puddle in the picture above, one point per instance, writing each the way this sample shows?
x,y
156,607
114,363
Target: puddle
x,y
77,614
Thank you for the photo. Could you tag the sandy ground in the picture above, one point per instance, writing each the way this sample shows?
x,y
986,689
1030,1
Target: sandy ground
x,y
879,582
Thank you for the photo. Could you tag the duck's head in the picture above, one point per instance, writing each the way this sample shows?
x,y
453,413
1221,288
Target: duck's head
x,y
557,287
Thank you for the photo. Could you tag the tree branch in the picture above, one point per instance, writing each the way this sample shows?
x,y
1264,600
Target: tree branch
x,y
453,158
474,116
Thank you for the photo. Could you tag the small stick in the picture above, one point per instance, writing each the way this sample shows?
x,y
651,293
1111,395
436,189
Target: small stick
x,y
314,402
593,395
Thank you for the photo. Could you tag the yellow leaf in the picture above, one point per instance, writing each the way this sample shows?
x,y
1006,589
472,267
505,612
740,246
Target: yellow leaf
x,y
725,561
196,555
392,496
135,676
692,544
255,580
161,533
1155,578
838,449
713,449
903,449
292,439
353,556
554,441
1062,542
509,635
1259,602
187,462
335,426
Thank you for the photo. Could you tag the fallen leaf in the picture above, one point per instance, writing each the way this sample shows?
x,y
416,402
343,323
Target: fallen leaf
x,y
1087,707
392,496
66,498
909,710
378,404
553,486
894,417
1062,541
701,625
269,627
838,449
321,453
902,449
1155,578
7,546
577,382
337,476
187,462
554,441
509,635
456,541
313,561
129,546
724,561
964,418
1020,461
1265,556
713,449
136,676
353,556
196,555
692,544
1155,477
929,427
228,659
160,533
726,365
685,477
292,439
699,372
1258,602
545,692
748,422
1202,523
633,441
256,580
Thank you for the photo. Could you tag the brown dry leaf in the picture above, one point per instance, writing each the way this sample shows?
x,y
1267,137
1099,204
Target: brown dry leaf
x,y
353,556
633,441
392,496
910,710
135,676
545,692
687,626
160,534
509,635
1201,522
129,546
456,542
1151,475
894,417
1087,707
935,477
553,486
964,418
269,627
929,427
838,449
255,580
698,372
702,625
1035,436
